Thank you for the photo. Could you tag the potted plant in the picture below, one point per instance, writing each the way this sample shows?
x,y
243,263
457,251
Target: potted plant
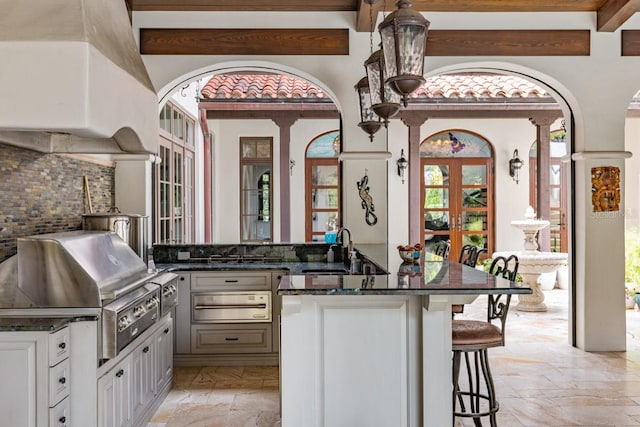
x,y
629,296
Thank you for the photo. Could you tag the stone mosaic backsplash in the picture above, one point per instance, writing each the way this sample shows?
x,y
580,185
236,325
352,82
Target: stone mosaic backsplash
x,y
44,193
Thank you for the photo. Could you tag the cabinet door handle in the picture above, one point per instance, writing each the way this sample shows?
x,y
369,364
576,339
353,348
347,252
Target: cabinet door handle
x,y
62,420
231,339
62,380
120,373
62,345
166,331
182,278
231,281
146,349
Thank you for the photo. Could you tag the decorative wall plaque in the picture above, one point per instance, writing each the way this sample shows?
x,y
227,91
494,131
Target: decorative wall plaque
x,y
367,200
605,188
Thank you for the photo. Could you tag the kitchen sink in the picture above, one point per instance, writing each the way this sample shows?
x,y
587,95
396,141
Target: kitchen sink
x,y
325,271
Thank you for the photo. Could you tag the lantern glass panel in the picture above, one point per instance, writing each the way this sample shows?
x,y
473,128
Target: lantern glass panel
x,y
411,42
373,74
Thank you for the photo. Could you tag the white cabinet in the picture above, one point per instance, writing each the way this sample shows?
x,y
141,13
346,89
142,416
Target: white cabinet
x,y
164,354
143,361
114,390
131,390
35,378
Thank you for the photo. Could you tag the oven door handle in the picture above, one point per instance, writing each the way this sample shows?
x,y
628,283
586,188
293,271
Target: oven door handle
x,y
227,306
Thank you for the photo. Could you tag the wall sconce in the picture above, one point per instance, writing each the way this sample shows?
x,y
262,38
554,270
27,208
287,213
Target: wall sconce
x,y
515,164
403,164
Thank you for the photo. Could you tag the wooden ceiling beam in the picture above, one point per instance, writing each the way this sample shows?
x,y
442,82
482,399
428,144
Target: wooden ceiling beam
x,y
630,41
245,5
367,15
356,5
614,13
254,41
247,41
508,43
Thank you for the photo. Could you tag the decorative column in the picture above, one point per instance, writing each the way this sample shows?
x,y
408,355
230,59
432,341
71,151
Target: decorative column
x,y
207,178
543,122
413,120
284,123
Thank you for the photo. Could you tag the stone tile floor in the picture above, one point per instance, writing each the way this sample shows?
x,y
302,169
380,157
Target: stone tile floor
x,y
540,380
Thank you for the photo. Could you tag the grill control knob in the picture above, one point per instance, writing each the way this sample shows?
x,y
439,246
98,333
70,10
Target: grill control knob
x,y
152,302
139,311
123,323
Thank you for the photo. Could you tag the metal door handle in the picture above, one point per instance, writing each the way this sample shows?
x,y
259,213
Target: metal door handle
x,y
218,306
459,222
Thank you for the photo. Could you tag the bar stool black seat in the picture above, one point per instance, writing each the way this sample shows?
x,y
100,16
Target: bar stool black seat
x,y
473,338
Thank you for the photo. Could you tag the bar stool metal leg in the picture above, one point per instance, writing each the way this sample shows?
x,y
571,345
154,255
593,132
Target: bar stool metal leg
x,y
474,397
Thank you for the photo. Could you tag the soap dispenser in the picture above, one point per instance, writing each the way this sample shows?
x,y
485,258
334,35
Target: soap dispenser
x,y
330,257
355,262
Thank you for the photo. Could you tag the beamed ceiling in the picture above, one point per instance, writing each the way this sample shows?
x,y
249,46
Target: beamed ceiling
x,y
505,41
610,13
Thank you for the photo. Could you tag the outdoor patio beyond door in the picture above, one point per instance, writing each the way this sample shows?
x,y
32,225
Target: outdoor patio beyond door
x,y
457,194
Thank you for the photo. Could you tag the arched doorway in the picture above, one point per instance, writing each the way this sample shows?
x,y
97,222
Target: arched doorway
x,y
457,190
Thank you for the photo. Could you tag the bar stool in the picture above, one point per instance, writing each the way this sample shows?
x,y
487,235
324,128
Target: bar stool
x,y
442,248
469,255
473,338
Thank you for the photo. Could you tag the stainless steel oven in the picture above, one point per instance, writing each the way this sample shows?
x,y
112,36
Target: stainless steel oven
x,y
231,307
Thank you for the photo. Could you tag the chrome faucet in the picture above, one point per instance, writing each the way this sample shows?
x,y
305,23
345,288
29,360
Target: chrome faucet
x,y
340,239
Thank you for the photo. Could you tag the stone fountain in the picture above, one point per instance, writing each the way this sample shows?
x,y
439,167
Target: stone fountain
x,y
533,262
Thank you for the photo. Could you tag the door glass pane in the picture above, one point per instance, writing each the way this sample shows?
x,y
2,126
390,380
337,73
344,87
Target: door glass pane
x,y
248,149
474,175
479,240
263,150
320,221
436,221
436,198
554,197
324,175
554,176
474,197
474,221
431,239
325,199
436,175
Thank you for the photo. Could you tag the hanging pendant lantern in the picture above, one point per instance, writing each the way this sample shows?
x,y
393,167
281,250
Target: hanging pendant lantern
x,y
404,37
385,102
369,120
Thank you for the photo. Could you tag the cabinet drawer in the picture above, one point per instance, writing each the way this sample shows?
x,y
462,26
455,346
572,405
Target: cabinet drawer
x,y
59,382
245,338
230,280
58,346
59,416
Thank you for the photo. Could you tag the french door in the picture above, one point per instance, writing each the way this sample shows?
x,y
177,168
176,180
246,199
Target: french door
x,y
457,202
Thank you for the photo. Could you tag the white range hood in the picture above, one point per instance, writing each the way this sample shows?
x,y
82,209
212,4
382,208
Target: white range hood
x,y
72,79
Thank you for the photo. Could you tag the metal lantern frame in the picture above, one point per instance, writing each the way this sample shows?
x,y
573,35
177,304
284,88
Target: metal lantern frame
x,y
369,120
385,102
404,36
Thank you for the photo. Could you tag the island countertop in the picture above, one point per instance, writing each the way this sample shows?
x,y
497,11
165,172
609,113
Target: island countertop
x,y
433,276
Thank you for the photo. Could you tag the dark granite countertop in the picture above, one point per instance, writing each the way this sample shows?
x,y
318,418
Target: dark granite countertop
x,y
38,324
294,268
433,276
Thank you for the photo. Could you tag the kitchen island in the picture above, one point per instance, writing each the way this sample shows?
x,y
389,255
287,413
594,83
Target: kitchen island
x,y
374,350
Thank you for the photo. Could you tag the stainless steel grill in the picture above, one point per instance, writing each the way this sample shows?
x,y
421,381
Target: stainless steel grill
x,y
70,273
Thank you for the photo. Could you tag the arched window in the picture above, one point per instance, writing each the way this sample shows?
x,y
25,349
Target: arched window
x,y
457,190
322,185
